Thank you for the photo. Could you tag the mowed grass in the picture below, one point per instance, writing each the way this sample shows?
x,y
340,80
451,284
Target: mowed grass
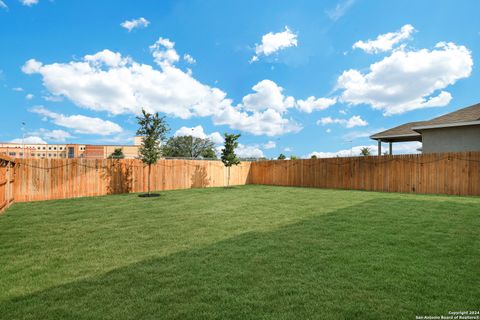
x,y
250,252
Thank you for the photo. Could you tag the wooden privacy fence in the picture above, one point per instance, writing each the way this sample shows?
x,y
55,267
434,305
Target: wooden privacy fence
x,y
443,173
46,179
6,182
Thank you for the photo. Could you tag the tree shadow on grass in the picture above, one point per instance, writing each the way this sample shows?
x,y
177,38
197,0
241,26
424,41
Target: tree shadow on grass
x,y
362,262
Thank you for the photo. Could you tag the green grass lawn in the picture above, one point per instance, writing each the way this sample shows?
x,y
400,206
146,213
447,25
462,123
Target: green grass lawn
x,y
250,252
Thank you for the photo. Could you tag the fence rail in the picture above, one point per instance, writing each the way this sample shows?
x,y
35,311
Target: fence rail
x,y
46,179
6,182
442,173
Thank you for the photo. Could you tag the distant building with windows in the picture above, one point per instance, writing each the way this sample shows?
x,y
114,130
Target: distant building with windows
x,y
67,151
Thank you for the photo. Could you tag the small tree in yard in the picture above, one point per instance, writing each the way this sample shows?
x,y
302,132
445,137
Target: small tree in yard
x,y
153,130
117,154
282,157
365,151
229,158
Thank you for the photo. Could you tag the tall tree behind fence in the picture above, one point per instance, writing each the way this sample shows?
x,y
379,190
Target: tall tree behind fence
x,y
6,182
443,173
45,179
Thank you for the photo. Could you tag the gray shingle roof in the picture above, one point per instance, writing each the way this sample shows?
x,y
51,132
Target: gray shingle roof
x,y
404,132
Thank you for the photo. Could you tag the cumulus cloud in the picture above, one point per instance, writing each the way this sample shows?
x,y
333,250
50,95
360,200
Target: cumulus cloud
x,y
268,95
198,132
398,148
340,9
407,80
108,81
135,23
29,140
17,89
80,123
313,104
385,42
29,96
245,151
270,145
189,59
354,121
55,135
274,42
29,3
163,52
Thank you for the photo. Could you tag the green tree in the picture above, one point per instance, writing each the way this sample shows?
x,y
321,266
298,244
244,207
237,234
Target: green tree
x,y
292,157
365,151
153,130
188,146
229,158
313,157
117,154
282,157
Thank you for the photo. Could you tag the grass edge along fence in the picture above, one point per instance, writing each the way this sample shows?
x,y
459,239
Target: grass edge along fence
x,y
436,173
7,180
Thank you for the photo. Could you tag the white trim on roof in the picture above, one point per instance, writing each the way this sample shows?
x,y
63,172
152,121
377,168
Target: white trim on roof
x,y
447,125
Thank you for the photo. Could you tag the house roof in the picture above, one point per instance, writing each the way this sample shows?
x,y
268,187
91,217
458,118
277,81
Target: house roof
x,y
403,132
410,131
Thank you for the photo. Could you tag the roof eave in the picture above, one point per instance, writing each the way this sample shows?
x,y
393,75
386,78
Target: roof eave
x,y
447,125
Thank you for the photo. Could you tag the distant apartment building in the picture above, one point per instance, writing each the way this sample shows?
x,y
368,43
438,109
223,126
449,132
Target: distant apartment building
x,y
67,151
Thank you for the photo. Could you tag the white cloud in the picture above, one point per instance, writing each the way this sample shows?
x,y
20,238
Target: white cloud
x,y
385,42
29,2
29,140
287,149
52,135
29,96
274,42
53,98
17,89
245,151
354,121
198,132
328,130
270,145
340,9
3,5
164,53
135,23
80,123
189,59
313,104
56,135
398,148
407,80
268,95
107,81
269,122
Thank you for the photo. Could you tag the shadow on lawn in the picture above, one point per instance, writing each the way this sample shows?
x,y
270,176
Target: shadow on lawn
x,y
381,264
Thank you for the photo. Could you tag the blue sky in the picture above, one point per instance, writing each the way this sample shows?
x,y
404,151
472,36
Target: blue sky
x,y
293,77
